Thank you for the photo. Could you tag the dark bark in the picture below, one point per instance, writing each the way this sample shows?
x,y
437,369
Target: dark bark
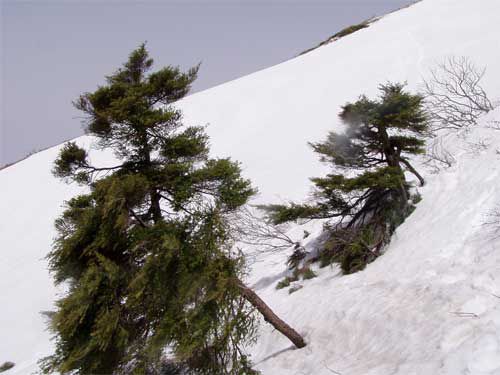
x,y
270,316
155,206
413,170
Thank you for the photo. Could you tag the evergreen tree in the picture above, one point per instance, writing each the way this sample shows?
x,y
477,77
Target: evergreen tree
x,y
369,198
146,254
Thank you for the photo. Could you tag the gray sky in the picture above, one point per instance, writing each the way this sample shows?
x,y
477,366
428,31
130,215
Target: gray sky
x,y
51,51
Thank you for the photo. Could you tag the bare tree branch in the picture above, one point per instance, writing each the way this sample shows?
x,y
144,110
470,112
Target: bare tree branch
x,y
437,156
454,96
250,229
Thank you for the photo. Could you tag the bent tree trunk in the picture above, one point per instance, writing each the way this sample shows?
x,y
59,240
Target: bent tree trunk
x,y
413,170
270,316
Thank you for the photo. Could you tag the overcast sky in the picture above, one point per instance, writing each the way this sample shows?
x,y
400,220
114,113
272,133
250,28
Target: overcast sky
x,y
51,51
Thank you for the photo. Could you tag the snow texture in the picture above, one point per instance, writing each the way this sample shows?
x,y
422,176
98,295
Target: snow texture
x,y
429,305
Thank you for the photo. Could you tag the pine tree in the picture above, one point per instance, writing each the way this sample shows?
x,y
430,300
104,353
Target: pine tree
x,y
369,198
146,254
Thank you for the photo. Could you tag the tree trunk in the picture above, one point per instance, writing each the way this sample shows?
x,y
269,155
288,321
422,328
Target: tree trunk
x,y
414,171
270,316
155,208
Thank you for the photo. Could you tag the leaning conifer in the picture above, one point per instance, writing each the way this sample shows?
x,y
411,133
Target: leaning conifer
x,y
367,194
146,253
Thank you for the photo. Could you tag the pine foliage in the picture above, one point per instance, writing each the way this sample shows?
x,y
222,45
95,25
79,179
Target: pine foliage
x,y
146,253
367,194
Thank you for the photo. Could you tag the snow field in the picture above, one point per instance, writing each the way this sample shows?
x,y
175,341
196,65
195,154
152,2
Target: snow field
x,y
427,306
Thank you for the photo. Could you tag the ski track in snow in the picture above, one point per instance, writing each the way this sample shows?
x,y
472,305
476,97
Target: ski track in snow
x,y
429,305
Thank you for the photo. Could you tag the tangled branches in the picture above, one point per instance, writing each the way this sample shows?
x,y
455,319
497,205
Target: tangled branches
x,y
454,96
253,230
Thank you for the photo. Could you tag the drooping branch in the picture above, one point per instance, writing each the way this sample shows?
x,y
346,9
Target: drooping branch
x,y
413,171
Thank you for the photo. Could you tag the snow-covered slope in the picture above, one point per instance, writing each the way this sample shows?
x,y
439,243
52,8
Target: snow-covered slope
x,y
429,305
402,315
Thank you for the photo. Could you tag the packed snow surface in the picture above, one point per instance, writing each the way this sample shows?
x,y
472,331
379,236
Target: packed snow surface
x,y
429,305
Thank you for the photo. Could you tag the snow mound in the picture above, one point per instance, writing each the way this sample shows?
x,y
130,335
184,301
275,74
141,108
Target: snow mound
x,y
428,306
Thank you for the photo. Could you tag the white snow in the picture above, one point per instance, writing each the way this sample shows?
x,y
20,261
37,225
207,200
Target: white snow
x,y
428,306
